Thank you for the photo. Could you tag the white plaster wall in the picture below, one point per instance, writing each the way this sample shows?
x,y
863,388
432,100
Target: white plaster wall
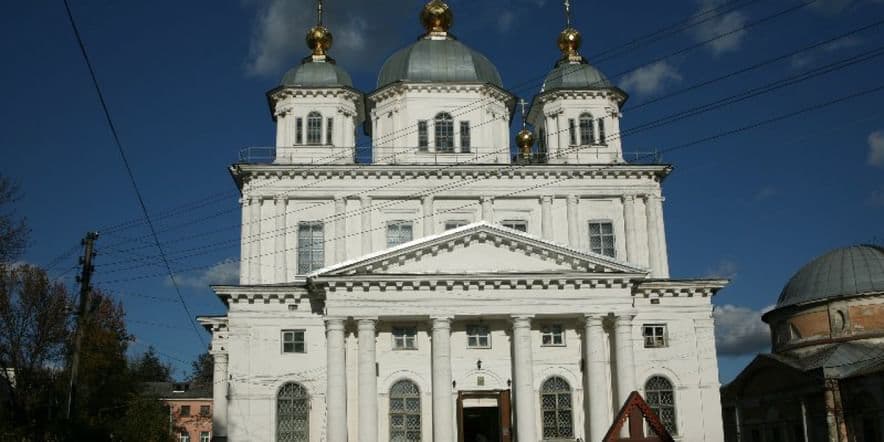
x,y
553,114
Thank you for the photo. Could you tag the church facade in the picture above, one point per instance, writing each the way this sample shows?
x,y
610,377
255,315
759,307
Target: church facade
x,y
447,290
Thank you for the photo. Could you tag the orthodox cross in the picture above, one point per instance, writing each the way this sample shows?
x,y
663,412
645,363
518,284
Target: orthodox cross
x,y
319,12
524,104
568,13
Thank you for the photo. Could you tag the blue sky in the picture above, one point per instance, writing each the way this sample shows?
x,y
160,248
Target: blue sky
x,y
185,83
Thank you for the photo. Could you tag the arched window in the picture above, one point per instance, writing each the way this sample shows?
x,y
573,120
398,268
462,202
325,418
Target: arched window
x,y
586,135
405,412
314,128
555,405
444,127
292,414
660,396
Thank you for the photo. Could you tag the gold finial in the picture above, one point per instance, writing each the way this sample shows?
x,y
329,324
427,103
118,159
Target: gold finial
x,y
569,38
567,13
437,18
319,38
525,138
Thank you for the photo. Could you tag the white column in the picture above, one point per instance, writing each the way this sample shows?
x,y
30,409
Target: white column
x,y
368,383
661,237
367,230
629,228
336,381
245,249
429,219
573,226
546,221
623,347
595,397
653,236
523,367
279,251
255,240
488,209
219,394
443,422
340,230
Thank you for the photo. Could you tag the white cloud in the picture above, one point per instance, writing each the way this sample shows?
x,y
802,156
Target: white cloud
x,y
765,193
876,149
726,269
805,58
505,21
876,199
363,32
225,272
650,79
714,25
740,330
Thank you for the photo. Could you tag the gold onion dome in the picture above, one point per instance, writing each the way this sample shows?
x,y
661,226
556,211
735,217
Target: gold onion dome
x,y
569,43
319,40
525,139
436,17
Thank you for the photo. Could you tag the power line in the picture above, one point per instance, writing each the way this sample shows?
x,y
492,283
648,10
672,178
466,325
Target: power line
x,y
128,168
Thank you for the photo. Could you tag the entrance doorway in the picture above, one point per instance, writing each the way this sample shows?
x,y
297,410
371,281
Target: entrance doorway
x,y
484,416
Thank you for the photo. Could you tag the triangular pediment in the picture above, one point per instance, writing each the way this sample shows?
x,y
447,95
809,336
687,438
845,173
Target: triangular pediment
x,y
479,248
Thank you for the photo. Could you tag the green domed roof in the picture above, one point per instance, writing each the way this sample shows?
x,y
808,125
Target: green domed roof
x,y
840,273
317,74
575,76
438,61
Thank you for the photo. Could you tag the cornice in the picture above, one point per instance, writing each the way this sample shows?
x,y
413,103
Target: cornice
x,y
291,293
397,89
676,288
468,282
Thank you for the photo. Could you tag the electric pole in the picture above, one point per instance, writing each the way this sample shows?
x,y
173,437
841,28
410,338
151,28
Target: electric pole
x,y
82,312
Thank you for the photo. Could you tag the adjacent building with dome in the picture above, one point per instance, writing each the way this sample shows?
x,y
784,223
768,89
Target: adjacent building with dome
x,y
453,287
824,379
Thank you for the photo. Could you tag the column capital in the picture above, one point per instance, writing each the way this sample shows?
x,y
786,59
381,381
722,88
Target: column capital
x,y
572,199
441,319
593,319
334,324
486,198
365,199
628,197
520,321
546,198
280,198
366,323
427,198
219,356
625,318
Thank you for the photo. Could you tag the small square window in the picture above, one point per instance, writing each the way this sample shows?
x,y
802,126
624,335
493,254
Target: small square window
x,y
183,437
478,336
185,410
204,410
293,341
552,335
404,338
516,224
655,335
205,436
399,232
601,238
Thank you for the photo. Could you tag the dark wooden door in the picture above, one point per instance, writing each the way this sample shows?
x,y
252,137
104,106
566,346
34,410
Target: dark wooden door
x,y
506,430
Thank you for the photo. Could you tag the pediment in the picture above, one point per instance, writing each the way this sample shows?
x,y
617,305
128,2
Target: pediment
x,y
479,248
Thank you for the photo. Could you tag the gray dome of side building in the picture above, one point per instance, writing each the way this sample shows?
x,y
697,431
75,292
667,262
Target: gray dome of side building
x,y
575,76
317,74
840,273
438,61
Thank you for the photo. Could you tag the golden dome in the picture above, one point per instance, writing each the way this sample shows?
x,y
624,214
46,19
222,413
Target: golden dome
x,y
525,139
569,42
319,40
436,17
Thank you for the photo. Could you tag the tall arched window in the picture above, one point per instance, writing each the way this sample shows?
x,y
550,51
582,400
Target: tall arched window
x,y
314,128
444,127
660,396
405,412
586,135
292,413
555,405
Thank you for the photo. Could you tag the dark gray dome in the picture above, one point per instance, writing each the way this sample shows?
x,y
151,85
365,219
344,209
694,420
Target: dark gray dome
x,y
317,74
438,61
840,273
575,76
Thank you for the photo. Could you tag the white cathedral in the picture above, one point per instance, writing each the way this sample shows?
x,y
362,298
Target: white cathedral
x,y
448,290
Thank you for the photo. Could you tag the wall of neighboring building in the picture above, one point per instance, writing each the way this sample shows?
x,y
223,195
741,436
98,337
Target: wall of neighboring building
x,y
192,422
800,328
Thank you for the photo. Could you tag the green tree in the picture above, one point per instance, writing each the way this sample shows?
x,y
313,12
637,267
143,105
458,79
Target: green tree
x,y
202,369
14,230
149,368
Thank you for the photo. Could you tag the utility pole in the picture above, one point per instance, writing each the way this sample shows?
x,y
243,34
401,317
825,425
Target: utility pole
x,y
83,310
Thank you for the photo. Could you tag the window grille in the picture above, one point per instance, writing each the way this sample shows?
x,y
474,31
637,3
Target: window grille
x,y
465,136
602,137
572,132
398,232
586,135
299,130
329,124
555,403
404,338
293,341
444,127
205,436
519,225
660,396
423,137
655,335
311,247
601,238
552,335
314,128
405,412
478,336
455,224
183,437
292,414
